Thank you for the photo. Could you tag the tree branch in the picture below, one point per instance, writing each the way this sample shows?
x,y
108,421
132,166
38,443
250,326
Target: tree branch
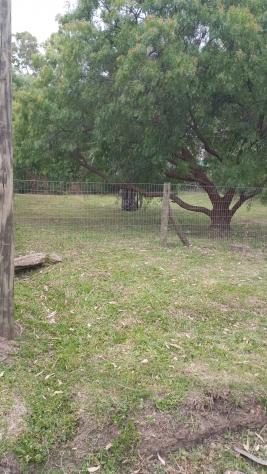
x,y
243,198
203,140
190,207
174,197
172,174
83,162
197,174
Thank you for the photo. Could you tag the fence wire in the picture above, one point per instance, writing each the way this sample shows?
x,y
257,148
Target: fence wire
x,y
120,210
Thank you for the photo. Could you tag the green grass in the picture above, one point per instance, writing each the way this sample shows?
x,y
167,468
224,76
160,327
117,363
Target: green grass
x,y
67,213
136,324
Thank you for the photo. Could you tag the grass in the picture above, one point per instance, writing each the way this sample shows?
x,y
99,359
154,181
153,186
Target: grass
x,y
102,213
135,326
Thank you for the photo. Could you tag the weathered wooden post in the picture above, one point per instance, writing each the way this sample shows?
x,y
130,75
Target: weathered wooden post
x,y
6,176
178,229
165,213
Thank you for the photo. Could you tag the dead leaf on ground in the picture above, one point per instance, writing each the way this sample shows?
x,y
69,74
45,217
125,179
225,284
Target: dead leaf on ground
x,y
176,346
93,469
163,462
48,376
234,472
52,317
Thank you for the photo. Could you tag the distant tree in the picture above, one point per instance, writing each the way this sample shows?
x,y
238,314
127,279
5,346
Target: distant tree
x,y
156,90
24,48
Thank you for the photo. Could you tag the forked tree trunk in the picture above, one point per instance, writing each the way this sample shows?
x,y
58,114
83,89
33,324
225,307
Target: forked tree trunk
x,y
223,207
6,176
221,213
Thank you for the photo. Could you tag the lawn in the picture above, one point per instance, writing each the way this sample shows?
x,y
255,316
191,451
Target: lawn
x,y
103,213
133,358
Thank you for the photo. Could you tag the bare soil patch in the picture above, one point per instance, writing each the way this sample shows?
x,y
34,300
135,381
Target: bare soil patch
x,y
15,419
12,427
9,465
92,436
201,418
13,422
7,350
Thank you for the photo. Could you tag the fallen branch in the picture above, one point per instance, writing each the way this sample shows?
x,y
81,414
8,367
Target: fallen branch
x,y
35,260
246,454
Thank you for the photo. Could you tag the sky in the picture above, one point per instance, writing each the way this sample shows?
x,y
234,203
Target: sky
x,y
37,16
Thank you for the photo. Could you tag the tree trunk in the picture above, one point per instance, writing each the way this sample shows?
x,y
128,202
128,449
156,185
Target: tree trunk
x,y
130,200
221,216
6,177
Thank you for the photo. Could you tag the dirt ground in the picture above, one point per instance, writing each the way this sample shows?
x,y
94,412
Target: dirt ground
x,y
201,420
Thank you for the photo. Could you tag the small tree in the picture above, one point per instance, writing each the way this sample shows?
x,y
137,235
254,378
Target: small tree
x,y
6,177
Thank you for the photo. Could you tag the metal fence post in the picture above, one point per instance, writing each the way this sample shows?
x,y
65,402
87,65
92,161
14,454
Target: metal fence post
x,y
165,213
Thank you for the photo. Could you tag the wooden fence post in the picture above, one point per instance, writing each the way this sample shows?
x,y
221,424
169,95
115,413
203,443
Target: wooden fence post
x,y
6,177
165,213
178,230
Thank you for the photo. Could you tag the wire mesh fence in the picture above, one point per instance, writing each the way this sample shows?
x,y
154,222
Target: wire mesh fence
x,y
120,210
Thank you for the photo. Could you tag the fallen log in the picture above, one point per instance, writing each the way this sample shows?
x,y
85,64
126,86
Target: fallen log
x,y
35,260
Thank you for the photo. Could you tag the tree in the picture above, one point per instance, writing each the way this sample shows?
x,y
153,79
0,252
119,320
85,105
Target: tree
x,y
154,90
26,59
24,50
6,177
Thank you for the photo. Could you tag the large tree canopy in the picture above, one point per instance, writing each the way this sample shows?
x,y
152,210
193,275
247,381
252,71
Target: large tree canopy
x,y
142,90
